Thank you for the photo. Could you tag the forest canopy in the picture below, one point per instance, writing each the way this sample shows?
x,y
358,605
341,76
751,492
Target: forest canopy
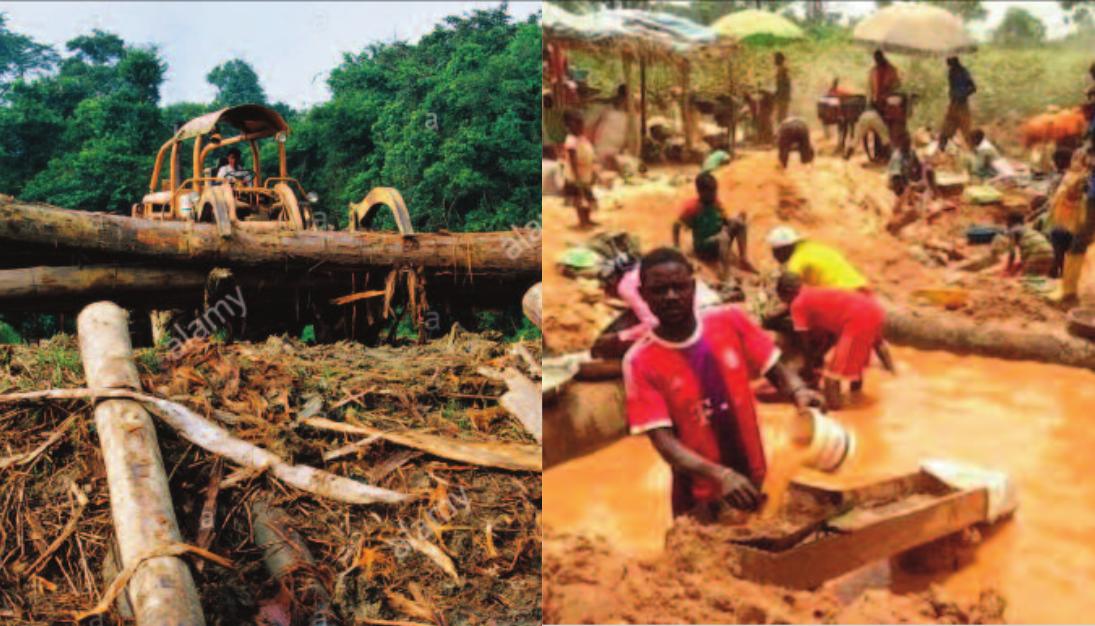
x,y
452,121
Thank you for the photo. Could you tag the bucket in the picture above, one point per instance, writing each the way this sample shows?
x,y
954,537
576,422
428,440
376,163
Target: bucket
x,y
831,444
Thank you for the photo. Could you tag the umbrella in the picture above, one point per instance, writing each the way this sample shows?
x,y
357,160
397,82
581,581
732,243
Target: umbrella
x,y
661,31
919,29
756,23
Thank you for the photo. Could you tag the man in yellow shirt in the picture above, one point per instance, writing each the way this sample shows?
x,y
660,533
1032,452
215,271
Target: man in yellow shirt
x,y
817,264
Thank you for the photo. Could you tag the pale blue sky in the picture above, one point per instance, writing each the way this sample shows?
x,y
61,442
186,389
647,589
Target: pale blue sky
x,y
292,45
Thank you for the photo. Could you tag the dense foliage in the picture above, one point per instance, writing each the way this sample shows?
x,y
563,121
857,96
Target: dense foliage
x,y
452,121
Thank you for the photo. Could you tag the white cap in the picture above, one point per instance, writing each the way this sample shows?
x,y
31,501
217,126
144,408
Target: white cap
x,y
781,236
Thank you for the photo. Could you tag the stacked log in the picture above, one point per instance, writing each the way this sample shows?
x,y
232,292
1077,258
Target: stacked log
x,y
514,253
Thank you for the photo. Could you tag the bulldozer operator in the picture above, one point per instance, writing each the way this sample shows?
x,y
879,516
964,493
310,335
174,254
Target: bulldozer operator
x,y
232,170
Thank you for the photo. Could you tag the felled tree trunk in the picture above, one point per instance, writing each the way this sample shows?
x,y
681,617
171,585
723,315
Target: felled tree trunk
x,y
161,591
516,252
941,331
62,282
73,287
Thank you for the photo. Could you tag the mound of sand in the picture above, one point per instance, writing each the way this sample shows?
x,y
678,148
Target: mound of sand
x,y
586,581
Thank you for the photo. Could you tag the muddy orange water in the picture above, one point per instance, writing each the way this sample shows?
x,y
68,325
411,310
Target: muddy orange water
x,y
1033,421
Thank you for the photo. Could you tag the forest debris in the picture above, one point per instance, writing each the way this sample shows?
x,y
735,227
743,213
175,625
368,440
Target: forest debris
x,y
70,527
428,376
28,457
211,437
116,587
524,401
350,448
142,509
436,555
505,455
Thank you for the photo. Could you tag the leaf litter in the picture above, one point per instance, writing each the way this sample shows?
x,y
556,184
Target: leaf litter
x,y
463,549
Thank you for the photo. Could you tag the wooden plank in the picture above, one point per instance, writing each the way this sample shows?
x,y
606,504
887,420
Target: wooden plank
x,y
811,564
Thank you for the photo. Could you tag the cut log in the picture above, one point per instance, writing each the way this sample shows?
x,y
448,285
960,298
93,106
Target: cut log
x,y
943,331
72,287
162,591
513,253
285,555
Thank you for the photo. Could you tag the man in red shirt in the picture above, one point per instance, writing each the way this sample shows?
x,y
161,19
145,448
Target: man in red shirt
x,y
688,389
852,318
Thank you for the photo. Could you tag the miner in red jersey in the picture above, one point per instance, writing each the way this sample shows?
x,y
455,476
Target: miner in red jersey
x,y
688,390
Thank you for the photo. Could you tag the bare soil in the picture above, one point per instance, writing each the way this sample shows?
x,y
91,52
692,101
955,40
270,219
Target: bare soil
x,y
692,582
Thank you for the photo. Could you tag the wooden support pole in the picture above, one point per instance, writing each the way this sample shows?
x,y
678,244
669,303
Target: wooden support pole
x,y
686,107
642,105
162,591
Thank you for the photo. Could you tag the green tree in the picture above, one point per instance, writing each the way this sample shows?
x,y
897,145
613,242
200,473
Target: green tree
x,y
98,48
1019,28
1081,14
94,126
20,56
236,83
452,121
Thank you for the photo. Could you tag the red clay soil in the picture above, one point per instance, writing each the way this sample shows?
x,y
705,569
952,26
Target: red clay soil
x,y
842,203
586,581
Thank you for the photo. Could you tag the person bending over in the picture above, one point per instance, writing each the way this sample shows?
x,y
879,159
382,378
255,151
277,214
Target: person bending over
x,y
794,136
852,318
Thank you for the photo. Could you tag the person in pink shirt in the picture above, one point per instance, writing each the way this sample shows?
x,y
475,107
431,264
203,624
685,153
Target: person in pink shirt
x,y
639,319
688,389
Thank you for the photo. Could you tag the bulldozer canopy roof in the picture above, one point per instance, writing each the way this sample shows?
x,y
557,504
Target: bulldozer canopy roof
x,y
248,118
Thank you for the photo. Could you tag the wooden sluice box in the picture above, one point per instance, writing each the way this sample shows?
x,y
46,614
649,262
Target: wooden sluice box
x,y
824,532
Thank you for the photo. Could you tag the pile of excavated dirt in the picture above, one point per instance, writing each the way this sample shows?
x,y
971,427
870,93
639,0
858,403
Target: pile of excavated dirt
x,y
486,521
843,203
692,582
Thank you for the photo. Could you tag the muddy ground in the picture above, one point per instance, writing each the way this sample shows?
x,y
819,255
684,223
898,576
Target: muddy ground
x,y
839,202
844,203
486,521
587,581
